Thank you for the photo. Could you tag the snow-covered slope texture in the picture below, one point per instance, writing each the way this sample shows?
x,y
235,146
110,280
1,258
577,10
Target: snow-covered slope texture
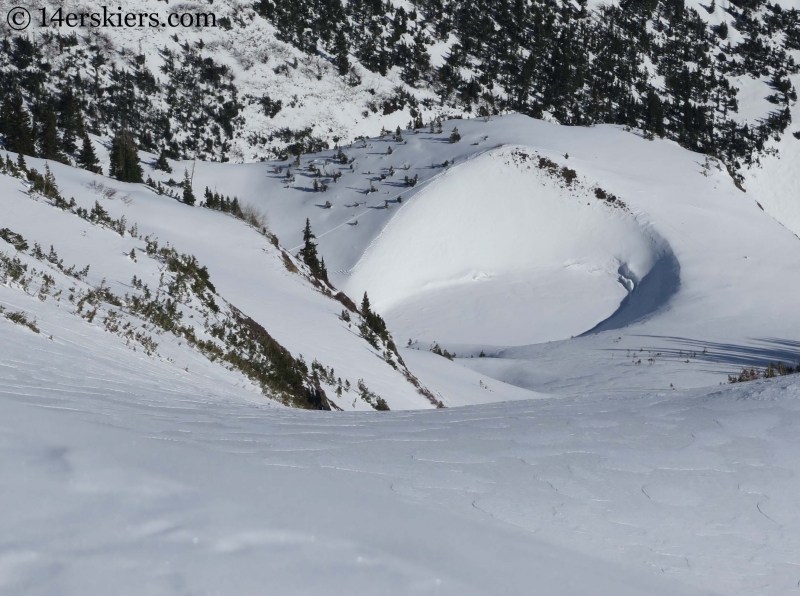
x,y
775,180
277,76
505,248
114,481
186,292
490,249
730,274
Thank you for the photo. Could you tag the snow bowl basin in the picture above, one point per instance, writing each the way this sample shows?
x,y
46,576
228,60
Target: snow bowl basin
x,y
504,250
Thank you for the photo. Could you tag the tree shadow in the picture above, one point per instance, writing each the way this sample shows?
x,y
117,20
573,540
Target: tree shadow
x,y
759,353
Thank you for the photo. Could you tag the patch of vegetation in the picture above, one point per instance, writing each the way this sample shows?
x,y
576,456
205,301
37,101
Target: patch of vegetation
x,y
772,370
14,239
247,213
376,401
436,349
20,318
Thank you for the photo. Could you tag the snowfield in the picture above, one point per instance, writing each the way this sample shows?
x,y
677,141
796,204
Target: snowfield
x,y
491,252
596,288
116,481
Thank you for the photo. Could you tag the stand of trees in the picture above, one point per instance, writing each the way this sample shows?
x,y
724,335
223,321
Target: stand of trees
x,y
650,64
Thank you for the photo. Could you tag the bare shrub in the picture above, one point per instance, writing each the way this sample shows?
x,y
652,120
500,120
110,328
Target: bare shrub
x,y
254,216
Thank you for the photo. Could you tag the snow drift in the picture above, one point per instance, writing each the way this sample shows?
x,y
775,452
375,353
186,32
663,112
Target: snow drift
x,y
503,250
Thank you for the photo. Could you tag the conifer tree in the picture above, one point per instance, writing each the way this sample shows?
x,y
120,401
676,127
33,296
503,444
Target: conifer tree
x,y
341,60
162,163
50,187
124,158
49,143
21,165
15,125
365,306
87,159
69,120
373,320
188,195
309,254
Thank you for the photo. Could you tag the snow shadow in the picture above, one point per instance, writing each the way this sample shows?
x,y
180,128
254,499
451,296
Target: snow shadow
x,y
647,297
759,353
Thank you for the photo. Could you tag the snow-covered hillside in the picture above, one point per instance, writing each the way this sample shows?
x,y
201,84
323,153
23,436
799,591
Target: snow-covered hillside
x,y
114,480
526,232
644,265
599,471
248,80
122,236
196,365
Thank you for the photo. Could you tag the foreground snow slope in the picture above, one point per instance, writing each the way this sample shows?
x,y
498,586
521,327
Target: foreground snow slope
x,y
113,481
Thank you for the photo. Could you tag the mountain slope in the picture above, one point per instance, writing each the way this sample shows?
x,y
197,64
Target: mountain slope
x,y
689,493
246,277
461,245
275,77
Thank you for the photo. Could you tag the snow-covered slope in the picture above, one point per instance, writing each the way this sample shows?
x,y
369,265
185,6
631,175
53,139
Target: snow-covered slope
x,y
246,269
507,243
493,248
116,482
526,256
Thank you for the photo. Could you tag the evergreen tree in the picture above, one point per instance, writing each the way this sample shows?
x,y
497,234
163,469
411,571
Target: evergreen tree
x,y
15,125
50,187
365,306
341,59
188,195
124,158
162,163
87,159
373,320
49,143
309,254
21,165
69,120
654,116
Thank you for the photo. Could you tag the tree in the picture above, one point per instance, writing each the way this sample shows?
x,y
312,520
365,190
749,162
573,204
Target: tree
x,y
341,59
162,163
365,306
49,144
21,165
124,158
50,187
188,195
309,254
15,125
373,320
87,159
455,136
70,120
